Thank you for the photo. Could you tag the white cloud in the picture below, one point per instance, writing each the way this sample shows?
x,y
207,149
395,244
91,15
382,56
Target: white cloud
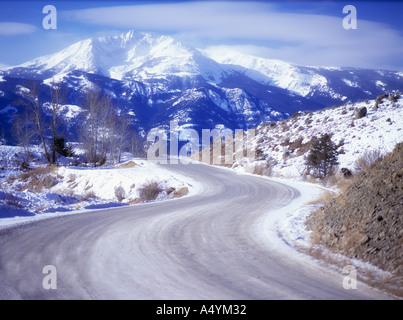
x,y
15,28
301,38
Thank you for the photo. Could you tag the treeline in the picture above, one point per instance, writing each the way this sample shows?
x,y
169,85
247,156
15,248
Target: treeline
x,y
103,133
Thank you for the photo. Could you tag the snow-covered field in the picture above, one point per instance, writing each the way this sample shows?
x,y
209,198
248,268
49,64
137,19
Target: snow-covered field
x,y
66,189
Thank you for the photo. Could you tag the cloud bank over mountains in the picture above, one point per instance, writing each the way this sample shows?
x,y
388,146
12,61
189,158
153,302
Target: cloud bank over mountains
x,y
258,28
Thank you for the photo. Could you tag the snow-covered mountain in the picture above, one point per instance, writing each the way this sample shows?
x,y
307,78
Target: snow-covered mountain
x,y
155,79
336,83
135,55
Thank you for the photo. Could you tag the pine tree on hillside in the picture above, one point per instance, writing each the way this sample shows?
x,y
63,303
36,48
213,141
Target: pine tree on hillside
x,y
322,158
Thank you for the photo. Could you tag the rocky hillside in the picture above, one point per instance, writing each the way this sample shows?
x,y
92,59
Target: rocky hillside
x,y
356,128
366,221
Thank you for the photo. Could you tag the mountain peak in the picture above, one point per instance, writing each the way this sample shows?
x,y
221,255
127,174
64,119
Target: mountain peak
x,y
126,38
133,54
159,61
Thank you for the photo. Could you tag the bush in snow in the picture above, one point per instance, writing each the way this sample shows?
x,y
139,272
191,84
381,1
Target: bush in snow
x,y
150,191
120,193
367,160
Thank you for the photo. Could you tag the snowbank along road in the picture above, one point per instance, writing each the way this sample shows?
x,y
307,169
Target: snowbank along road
x,y
211,245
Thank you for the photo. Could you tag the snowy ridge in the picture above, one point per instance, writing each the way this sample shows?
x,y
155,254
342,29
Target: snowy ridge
x,y
78,56
275,72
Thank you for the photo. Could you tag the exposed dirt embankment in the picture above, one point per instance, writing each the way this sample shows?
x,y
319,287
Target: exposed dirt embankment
x,y
366,221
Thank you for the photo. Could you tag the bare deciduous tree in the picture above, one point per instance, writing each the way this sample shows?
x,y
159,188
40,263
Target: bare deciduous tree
x,y
24,133
123,134
98,132
5,153
33,106
106,132
89,130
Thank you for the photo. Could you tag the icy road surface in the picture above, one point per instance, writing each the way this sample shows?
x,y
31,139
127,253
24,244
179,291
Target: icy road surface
x,y
220,243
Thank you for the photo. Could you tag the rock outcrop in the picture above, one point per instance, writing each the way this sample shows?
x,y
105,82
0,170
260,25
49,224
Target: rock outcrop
x,y
366,221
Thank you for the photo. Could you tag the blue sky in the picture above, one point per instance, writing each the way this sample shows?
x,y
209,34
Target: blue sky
x,y
306,33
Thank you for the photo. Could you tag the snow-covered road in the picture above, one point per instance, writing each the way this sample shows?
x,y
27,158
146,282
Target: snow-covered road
x,y
220,243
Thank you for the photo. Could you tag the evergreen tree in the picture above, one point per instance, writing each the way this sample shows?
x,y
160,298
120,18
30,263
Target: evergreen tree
x,y
323,157
61,148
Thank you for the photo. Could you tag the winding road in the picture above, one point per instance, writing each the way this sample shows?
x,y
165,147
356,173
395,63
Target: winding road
x,y
205,246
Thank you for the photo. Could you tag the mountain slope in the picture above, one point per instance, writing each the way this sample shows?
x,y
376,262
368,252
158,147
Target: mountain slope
x,y
281,147
154,79
326,82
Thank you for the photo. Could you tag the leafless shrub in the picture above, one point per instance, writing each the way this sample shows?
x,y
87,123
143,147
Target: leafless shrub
x,y
367,160
120,193
49,181
89,195
37,179
264,168
150,191
38,172
259,169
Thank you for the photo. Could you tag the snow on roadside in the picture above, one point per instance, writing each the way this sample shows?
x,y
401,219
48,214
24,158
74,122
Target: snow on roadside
x,y
102,182
284,229
287,223
76,190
